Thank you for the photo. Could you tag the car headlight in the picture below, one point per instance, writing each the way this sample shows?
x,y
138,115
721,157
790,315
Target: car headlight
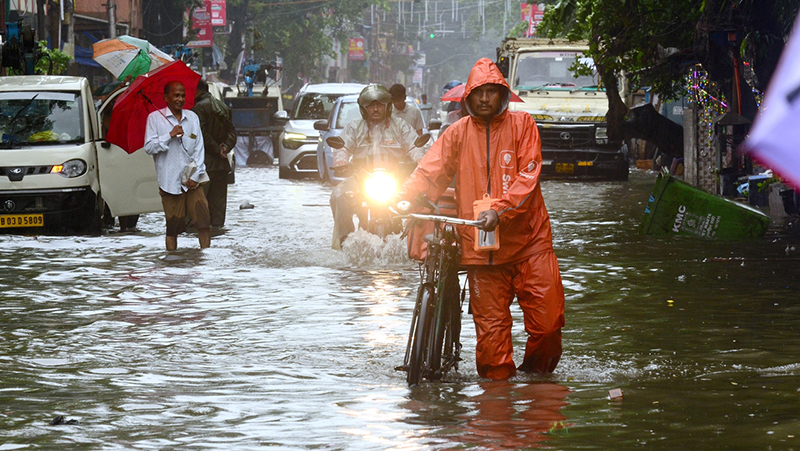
x,y
601,133
294,140
380,187
70,169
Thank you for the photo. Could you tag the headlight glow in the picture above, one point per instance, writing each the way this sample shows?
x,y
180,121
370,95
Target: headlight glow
x,y
70,169
295,136
380,187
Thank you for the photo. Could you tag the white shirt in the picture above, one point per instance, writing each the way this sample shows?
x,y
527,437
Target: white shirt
x,y
411,115
171,155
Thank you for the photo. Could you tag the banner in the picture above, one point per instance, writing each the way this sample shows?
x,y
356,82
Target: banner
x,y
356,49
533,14
218,12
201,21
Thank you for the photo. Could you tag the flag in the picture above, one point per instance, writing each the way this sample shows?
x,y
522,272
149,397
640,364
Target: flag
x,y
774,139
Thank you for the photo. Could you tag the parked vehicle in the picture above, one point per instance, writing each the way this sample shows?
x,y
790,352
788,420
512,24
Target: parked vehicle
x,y
57,173
297,144
570,112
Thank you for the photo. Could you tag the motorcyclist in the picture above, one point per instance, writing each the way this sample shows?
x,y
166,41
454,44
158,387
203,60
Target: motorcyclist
x,y
376,131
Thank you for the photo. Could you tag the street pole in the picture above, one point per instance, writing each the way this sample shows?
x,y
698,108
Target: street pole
x,y
112,18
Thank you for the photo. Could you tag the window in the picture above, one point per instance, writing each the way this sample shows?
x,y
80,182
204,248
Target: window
x,y
41,118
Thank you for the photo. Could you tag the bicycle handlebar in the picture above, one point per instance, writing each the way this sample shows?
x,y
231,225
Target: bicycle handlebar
x,y
446,219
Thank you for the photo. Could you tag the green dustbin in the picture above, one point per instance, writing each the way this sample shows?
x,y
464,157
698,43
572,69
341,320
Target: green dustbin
x,y
677,208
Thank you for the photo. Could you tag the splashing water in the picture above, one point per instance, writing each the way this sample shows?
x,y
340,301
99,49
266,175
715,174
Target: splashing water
x,y
362,248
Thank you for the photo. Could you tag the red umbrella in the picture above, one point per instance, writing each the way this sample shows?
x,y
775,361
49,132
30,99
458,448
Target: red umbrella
x,y
456,95
145,95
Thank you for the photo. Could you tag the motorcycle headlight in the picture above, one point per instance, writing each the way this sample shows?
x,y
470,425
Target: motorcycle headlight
x,y
70,169
380,187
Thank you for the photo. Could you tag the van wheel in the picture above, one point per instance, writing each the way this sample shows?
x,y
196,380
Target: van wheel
x,y
283,173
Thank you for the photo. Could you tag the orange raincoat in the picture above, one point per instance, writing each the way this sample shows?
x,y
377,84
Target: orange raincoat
x,y
501,158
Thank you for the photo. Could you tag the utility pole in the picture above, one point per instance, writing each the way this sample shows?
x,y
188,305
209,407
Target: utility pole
x,y
112,18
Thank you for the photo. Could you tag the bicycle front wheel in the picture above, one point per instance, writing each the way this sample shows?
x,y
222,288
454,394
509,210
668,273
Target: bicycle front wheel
x,y
419,348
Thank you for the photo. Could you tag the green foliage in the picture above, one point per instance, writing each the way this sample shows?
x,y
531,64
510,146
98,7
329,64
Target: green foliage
x,y
48,62
300,33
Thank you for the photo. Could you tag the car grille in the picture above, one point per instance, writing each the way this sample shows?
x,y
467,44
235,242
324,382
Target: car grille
x,y
566,137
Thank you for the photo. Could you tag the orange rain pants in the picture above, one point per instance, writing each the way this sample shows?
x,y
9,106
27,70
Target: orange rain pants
x,y
536,283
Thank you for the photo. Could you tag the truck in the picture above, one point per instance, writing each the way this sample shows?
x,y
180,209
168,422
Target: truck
x,y
570,112
57,172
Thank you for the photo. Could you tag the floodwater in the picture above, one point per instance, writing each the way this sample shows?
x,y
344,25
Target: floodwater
x,y
271,340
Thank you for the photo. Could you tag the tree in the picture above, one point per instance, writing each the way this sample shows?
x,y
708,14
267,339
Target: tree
x,y
654,41
300,34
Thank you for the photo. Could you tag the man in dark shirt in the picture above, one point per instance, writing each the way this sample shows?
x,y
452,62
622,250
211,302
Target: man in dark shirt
x,y
219,136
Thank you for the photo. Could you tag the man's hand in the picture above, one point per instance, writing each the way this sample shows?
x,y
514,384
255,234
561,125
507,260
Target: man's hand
x,y
490,220
223,151
176,132
191,184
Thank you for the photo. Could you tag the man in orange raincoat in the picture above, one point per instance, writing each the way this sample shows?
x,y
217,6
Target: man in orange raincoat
x,y
497,152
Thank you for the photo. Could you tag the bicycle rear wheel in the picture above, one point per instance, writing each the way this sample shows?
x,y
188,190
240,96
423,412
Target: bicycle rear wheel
x,y
419,347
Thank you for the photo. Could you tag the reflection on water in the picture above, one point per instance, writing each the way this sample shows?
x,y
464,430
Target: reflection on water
x,y
270,339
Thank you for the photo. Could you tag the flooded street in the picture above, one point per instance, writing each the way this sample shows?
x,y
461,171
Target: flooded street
x,y
269,339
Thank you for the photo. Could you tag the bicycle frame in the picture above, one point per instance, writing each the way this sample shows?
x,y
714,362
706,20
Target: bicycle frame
x,y
434,345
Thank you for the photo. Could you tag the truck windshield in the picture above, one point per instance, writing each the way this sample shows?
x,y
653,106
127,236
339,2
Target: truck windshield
x,y
41,118
536,70
314,106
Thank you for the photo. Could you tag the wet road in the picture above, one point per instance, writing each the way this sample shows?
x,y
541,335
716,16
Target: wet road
x,y
271,340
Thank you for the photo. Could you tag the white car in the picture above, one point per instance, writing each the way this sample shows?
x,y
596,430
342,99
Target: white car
x,y
297,145
57,173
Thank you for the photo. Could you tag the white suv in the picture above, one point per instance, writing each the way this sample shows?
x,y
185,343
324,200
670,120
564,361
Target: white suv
x,y
297,145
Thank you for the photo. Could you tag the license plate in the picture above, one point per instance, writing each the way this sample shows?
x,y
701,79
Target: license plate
x,y
21,221
565,168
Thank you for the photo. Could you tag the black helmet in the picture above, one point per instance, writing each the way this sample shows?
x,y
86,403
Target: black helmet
x,y
372,93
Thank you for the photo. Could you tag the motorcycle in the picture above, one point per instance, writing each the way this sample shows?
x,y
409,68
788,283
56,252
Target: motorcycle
x,y
378,177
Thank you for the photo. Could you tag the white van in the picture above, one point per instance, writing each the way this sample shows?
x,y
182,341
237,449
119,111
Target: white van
x,y
57,173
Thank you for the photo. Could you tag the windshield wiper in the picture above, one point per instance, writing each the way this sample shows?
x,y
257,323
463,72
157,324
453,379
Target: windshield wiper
x,y
581,88
11,123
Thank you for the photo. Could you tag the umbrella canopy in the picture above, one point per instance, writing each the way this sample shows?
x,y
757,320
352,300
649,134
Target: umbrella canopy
x,y
145,95
456,94
157,57
125,56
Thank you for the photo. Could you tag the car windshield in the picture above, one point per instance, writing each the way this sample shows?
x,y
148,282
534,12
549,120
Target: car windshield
x,y
550,69
312,106
41,118
347,113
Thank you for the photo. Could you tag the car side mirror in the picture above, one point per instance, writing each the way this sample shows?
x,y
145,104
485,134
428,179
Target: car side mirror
x,y
434,124
335,142
321,125
422,140
281,115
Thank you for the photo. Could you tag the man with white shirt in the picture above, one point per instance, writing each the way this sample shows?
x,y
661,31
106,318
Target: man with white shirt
x,y
174,139
403,111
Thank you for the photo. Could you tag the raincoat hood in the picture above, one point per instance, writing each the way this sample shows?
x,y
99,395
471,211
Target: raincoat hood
x,y
485,72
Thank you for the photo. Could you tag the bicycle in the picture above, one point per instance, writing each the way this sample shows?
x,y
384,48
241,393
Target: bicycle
x,y
434,345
